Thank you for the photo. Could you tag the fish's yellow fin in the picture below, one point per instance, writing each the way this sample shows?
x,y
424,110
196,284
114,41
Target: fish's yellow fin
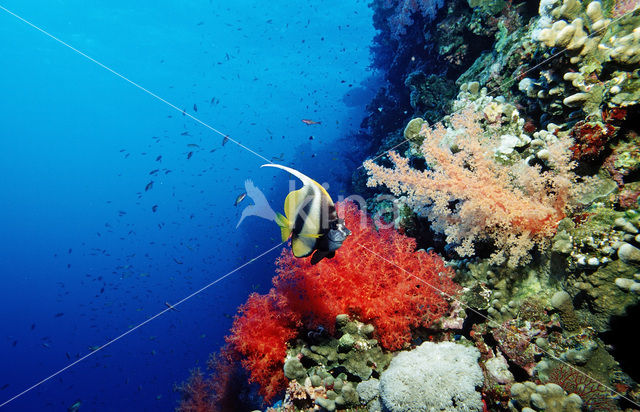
x,y
285,226
302,246
311,235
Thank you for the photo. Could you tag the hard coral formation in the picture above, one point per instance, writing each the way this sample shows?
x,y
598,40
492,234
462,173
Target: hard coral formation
x,y
434,376
430,95
600,53
549,397
336,364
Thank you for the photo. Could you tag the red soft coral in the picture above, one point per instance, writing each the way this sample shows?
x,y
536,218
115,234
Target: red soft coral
x,y
376,276
260,334
196,394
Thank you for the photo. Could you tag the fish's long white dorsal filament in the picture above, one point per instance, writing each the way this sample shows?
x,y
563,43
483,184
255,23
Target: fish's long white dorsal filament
x,y
304,178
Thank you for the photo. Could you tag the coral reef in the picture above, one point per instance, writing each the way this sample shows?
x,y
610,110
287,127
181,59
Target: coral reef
x,y
405,290
601,50
523,187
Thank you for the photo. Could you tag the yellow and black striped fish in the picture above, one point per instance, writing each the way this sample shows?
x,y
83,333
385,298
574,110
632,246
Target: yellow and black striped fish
x,y
310,219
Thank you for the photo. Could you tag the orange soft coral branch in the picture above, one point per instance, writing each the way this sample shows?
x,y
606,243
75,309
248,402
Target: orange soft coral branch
x,y
516,206
196,394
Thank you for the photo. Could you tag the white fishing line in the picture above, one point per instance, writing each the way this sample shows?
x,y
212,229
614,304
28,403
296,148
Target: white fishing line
x,y
493,322
170,307
173,106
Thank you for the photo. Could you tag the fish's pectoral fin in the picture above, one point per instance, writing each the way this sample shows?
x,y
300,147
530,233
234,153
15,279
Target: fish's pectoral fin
x,y
318,256
285,226
331,255
321,254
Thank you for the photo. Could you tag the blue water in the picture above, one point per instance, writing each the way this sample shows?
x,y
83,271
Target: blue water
x,y
83,256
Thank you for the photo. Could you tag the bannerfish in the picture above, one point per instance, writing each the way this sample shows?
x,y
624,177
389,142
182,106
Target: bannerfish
x,y
310,220
240,198
310,122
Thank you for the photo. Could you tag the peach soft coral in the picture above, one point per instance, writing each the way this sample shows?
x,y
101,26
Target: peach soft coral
x,y
377,277
471,194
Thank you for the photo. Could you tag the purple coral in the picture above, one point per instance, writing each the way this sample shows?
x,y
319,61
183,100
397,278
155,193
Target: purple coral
x,y
405,9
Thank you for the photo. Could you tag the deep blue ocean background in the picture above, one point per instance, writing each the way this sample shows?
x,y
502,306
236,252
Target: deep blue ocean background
x,y
83,256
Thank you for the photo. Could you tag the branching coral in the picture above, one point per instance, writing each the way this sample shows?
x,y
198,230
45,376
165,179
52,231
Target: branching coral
x,y
469,195
222,388
196,393
405,9
602,55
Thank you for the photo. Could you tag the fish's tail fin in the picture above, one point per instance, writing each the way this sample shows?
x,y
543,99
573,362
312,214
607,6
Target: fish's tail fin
x,y
285,226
